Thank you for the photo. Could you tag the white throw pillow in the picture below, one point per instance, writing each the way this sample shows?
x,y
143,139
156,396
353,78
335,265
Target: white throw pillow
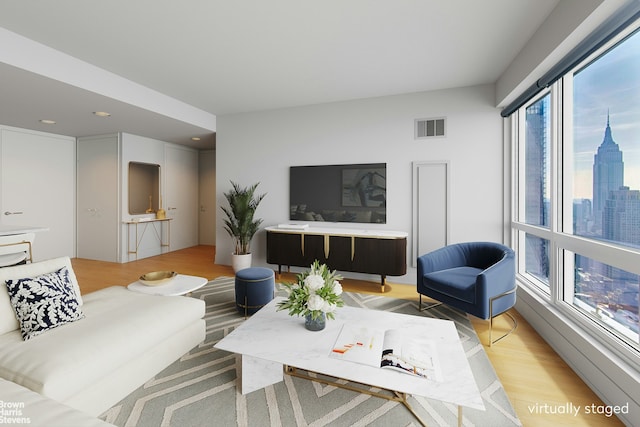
x,y
8,321
44,302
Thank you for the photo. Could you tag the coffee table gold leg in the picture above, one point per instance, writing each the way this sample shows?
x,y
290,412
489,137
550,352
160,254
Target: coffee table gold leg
x,y
397,396
402,397
459,416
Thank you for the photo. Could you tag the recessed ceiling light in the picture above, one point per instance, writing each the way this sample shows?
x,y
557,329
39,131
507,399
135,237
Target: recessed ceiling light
x,y
102,114
48,122
195,138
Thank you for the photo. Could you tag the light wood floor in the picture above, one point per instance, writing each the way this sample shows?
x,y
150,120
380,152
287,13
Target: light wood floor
x,y
532,374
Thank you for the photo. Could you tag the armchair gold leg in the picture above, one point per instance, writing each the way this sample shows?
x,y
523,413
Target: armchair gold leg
x,y
491,340
513,319
435,304
513,328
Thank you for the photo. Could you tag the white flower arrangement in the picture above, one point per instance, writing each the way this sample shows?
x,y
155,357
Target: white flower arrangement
x,y
315,292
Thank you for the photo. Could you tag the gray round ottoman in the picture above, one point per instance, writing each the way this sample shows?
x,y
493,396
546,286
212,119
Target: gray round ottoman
x,y
255,287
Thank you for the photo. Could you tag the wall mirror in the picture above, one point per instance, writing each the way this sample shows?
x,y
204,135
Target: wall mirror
x,y
144,188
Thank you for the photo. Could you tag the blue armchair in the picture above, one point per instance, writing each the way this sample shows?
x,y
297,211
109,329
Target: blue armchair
x,y
476,277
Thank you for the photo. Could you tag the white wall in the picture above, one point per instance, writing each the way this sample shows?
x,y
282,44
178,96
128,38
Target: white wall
x,y
145,150
207,197
176,176
260,147
37,194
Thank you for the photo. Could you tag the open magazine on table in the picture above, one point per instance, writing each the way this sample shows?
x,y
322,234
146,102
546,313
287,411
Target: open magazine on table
x,y
391,349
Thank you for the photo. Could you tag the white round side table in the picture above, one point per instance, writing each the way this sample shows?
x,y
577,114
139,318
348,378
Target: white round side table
x,y
182,284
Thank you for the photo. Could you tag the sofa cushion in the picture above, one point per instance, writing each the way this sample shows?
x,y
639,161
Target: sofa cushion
x,y
459,282
44,302
29,408
8,320
119,325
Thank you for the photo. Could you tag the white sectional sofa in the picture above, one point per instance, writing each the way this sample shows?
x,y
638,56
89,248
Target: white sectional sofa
x,y
21,406
92,363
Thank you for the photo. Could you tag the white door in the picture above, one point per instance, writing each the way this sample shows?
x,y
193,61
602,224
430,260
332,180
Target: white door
x,y
98,198
181,195
430,207
38,188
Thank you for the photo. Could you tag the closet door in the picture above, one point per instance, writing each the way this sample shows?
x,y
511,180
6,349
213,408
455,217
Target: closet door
x,y
431,210
38,188
98,198
181,195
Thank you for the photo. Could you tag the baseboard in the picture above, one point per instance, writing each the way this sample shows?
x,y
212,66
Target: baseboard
x,y
608,375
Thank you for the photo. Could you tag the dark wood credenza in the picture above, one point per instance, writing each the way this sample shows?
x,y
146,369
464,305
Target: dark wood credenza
x,y
363,251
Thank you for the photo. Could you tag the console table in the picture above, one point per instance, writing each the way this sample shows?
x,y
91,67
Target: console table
x,y
139,236
345,249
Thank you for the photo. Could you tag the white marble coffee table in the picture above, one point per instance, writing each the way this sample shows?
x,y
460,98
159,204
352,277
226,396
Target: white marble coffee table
x,y
182,284
272,340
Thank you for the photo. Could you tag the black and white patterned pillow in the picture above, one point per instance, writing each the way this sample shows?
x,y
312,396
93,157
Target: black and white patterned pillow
x,y
44,302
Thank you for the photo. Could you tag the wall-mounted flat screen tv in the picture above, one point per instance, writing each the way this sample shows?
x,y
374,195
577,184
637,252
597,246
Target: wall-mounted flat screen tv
x,y
339,193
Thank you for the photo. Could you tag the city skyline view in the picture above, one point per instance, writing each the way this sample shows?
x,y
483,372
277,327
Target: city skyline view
x,y
607,88
603,162
606,129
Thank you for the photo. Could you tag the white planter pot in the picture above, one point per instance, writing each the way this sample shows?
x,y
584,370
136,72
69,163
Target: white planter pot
x,y
239,262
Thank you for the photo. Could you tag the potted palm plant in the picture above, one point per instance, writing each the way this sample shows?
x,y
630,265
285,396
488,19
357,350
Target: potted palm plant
x,y
240,222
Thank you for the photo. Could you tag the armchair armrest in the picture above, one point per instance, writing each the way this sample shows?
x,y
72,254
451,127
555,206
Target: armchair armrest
x,y
497,280
501,276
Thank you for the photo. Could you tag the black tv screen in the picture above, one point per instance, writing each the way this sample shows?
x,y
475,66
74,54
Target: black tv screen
x,y
339,193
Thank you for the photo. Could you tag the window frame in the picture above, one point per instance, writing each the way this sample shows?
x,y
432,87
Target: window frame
x,y
519,224
564,245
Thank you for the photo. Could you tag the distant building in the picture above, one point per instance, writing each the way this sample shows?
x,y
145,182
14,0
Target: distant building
x,y
621,216
608,174
536,204
582,217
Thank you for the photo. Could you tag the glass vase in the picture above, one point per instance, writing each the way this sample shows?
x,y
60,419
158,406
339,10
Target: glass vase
x,y
316,324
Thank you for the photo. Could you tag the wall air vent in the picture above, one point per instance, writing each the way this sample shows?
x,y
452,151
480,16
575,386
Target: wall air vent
x,y
430,128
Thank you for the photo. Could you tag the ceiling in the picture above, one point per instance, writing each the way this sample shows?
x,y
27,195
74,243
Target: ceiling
x,y
227,57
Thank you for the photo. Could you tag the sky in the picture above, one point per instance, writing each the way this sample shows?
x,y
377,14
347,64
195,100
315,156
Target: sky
x,y
610,84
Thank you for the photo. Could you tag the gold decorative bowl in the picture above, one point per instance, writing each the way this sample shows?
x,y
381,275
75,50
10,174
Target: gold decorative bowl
x,y
156,278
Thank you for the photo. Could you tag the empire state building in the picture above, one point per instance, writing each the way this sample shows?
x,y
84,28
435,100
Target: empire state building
x,y
608,174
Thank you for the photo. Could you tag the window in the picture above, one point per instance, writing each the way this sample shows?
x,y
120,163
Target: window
x,y
536,190
579,228
537,260
537,137
607,293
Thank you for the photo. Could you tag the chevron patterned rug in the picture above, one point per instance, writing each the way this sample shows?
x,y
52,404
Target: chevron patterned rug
x,y
199,389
